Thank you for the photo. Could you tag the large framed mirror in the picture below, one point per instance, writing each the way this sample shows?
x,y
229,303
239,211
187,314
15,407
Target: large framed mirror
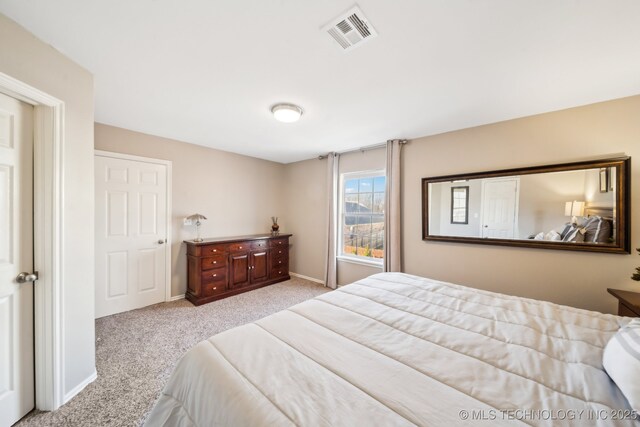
x,y
582,206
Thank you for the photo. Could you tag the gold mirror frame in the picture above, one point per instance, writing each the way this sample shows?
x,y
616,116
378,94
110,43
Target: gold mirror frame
x,y
622,212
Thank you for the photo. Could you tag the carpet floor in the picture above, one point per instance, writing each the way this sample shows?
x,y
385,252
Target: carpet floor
x,y
136,352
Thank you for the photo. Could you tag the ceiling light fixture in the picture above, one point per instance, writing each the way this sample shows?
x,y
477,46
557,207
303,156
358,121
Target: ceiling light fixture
x,y
286,113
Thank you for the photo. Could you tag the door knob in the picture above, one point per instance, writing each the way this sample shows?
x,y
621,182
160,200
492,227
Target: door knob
x,y
25,277
161,242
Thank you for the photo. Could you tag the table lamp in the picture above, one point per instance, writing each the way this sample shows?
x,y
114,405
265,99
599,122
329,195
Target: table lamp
x,y
197,218
574,210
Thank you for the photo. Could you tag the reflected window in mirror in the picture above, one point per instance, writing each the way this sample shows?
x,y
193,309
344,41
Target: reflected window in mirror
x,y
459,205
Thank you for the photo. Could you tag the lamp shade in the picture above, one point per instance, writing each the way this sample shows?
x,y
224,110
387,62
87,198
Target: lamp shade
x,y
196,217
574,208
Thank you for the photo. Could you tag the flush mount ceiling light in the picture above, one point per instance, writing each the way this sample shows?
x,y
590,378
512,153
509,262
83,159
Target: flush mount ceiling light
x,y
286,113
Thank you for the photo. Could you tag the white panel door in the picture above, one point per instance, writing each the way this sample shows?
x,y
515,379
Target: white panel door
x,y
16,256
131,233
500,208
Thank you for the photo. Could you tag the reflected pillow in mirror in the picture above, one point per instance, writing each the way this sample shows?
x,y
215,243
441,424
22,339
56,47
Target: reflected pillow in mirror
x,y
582,221
539,236
574,235
564,230
553,235
597,230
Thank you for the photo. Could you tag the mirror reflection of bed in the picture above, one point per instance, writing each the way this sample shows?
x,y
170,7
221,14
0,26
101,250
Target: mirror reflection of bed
x,y
595,226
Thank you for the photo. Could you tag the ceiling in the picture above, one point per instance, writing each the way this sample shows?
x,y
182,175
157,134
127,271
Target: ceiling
x,y
207,72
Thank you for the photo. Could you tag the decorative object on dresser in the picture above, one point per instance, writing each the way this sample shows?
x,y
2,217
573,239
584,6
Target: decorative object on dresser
x,y
222,267
636,275
274,227
628,302
197,218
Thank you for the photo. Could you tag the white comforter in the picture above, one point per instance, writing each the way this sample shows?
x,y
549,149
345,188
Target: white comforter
x,y
396,349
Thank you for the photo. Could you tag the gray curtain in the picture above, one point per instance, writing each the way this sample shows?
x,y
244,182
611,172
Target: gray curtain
x,y
392,218
331,274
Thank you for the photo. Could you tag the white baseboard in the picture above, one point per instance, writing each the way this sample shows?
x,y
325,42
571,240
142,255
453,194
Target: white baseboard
x,y
311,279
77,389
176,298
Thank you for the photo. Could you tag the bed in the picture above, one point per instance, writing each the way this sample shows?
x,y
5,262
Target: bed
x,y
396,349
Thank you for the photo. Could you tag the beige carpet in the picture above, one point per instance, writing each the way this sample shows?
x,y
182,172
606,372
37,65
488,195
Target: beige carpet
x,y
136,352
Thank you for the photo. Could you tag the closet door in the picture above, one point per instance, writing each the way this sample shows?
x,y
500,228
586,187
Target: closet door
x,y
131,233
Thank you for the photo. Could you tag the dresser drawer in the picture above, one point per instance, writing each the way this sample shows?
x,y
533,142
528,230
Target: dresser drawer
x,y
215,275
215,261
212,250
239,247
279,272
279,243
280,262
259,244
213,288
279,252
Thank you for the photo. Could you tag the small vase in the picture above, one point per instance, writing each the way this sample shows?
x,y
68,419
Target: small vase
x,y
275,227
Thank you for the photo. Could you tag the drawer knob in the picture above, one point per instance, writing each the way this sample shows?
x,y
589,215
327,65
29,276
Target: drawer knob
x,y
279,252
214,250
215,262
279,262
240,247
279,272
215,287
214,275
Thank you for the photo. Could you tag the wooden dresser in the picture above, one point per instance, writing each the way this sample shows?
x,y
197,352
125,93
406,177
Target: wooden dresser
x,y
628,302
220,268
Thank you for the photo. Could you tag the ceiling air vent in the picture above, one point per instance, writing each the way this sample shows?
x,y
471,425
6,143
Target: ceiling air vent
x,y
351,29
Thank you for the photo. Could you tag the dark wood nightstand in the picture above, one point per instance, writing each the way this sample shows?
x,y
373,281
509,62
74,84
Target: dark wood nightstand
x,y
628,302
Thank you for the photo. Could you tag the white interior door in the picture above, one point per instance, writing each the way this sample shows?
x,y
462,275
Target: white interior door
x,y
16,256
500,208
131,234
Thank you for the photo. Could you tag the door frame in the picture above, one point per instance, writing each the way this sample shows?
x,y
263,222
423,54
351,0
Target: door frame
x,y
167,246
48,239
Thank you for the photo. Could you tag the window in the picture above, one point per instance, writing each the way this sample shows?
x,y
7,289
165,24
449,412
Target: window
x,y
459,205
362,215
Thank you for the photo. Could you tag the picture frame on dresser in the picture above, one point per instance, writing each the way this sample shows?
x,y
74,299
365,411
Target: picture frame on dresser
x,y
222,267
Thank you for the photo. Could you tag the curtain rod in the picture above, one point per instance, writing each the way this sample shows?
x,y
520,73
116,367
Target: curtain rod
x,y
363,149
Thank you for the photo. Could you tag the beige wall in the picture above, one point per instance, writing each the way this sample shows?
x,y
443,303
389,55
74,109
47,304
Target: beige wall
x,y
305,189
35,63
578,279
237,194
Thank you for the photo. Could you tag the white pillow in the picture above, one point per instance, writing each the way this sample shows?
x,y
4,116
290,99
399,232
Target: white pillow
x,y
539,236
621,360
552,235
